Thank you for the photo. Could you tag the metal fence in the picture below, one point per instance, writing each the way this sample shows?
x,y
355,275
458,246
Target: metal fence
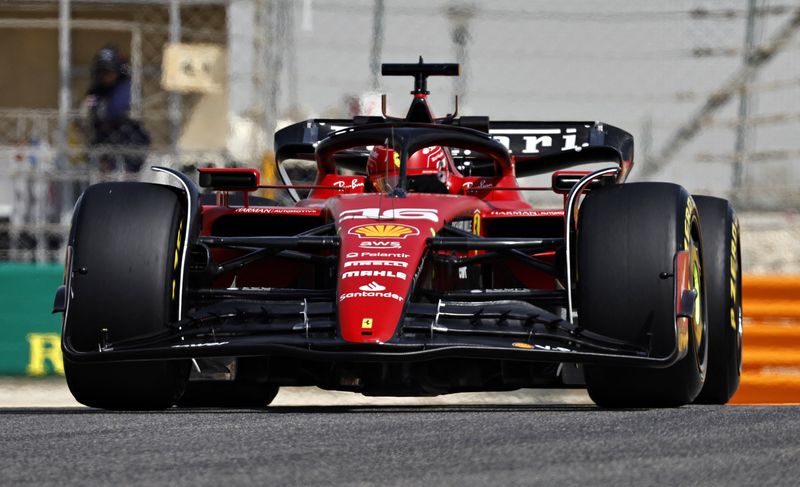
x,y
709,88
46,155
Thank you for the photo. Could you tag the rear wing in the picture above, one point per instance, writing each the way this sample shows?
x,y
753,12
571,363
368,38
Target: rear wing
x,y
542,147
539,147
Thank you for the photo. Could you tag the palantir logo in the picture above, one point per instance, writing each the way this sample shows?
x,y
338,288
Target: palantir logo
x,y
373,287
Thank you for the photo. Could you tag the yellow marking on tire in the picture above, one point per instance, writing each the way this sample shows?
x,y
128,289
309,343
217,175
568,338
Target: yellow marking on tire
x,y
687,223
734,276
180,230
177,247
177,258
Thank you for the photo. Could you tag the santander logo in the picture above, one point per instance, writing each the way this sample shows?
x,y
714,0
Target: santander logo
x,y
372,287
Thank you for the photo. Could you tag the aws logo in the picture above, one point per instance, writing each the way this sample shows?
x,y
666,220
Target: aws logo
x,y
379,245
384,231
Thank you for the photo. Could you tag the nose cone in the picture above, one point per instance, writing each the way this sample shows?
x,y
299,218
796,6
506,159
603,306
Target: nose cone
x,y
383,240
377,263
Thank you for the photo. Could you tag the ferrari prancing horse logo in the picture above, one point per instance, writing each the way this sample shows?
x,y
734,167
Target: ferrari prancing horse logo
x,y
366,323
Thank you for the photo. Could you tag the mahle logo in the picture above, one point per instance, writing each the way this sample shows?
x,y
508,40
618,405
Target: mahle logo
x,y
374,273
384,231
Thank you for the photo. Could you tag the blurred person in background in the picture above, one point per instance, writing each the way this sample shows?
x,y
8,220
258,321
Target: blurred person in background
x,y
115,140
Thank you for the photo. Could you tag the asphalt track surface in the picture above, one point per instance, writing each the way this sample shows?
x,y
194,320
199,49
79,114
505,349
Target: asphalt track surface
x,y
403,445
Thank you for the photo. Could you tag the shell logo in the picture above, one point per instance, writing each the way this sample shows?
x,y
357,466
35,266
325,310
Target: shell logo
x,y
384,231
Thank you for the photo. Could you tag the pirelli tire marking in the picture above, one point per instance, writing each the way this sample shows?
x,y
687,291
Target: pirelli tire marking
x,y
176,260
691,209
734,276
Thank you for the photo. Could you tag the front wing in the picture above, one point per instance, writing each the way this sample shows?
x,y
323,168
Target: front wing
x,y
306,328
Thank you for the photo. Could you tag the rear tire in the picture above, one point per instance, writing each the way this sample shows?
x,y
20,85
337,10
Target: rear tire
x,y
628,236
125,241
723,267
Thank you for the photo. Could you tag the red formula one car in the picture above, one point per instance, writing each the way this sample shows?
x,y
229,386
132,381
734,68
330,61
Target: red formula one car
x,y
414,265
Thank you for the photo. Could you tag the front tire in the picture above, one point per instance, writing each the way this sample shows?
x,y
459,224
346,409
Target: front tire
x,y
628,237
247,390
125,244
227,394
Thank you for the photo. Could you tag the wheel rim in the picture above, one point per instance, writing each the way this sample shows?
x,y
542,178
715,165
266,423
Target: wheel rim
x,y
740,337
699,318
738,304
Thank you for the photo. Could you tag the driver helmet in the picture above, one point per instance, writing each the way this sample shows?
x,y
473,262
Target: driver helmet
x,y
427,169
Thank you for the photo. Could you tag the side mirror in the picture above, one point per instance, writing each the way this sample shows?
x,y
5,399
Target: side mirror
x,y
229,179
563,181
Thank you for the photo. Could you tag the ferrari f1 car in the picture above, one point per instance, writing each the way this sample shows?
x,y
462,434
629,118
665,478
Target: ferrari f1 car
x,y
413,265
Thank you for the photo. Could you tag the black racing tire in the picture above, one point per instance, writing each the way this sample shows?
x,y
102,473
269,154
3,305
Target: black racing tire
x,y
124,241
248,389
628,236
723,269
227,394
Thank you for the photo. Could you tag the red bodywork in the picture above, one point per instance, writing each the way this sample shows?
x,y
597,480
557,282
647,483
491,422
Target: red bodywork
x,y
383,239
